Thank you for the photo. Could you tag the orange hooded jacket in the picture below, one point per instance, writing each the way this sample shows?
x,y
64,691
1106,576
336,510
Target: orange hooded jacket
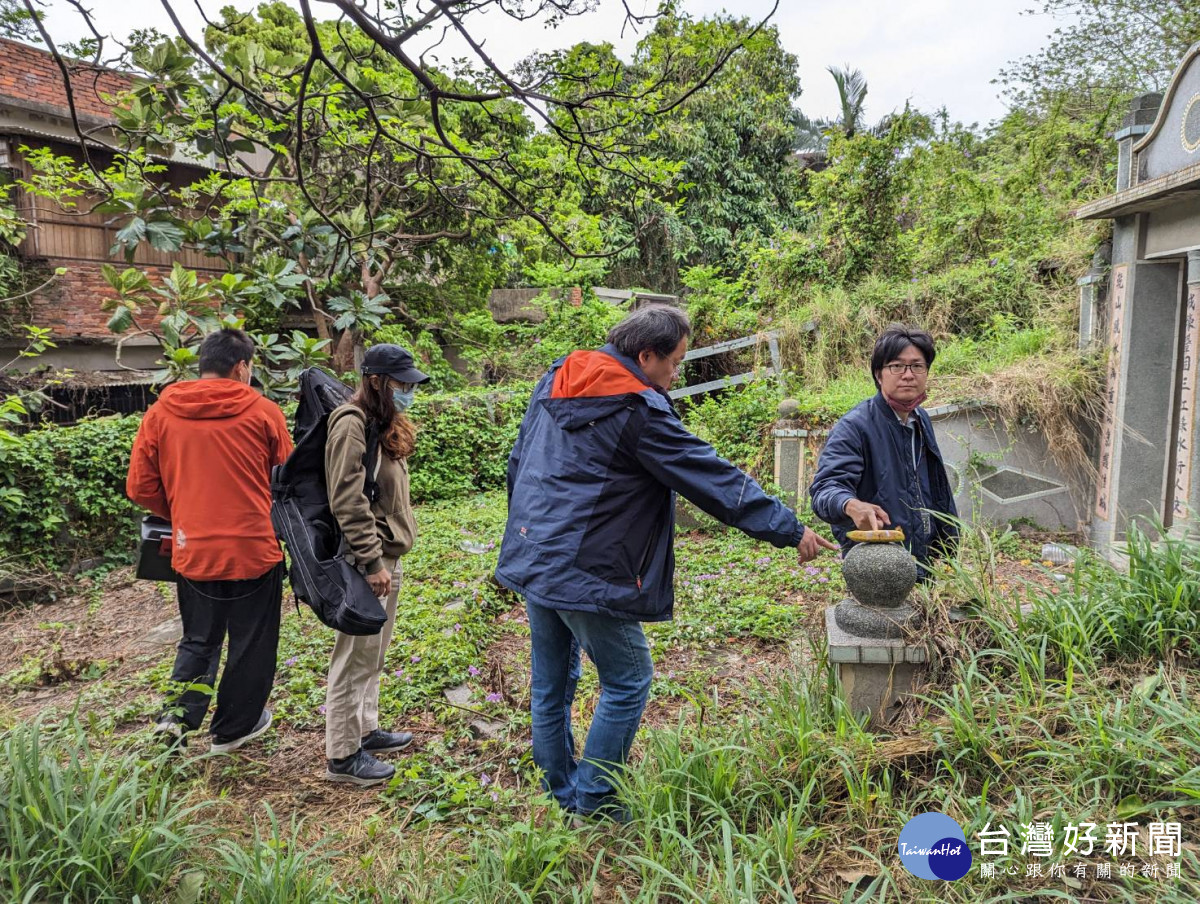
x,y
202,459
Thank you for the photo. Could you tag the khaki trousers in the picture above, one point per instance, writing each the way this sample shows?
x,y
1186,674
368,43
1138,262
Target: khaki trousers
x,y
352,691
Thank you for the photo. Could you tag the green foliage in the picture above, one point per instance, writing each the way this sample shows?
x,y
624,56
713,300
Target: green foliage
x,y
717,306
737,422
524,351
856,200
731,144
102,828
275,865
1104,52
72,483
1149,612
463,441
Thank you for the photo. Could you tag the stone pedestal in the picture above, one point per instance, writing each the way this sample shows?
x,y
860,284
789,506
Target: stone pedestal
x,y
874,672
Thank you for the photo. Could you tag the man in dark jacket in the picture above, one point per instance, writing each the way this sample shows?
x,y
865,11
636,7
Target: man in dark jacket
x,y
591,517
881,466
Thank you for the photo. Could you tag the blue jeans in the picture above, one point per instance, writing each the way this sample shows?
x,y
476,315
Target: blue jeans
x,y
622,658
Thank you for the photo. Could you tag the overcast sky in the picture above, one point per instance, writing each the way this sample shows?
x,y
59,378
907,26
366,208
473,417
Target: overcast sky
x,y
932,52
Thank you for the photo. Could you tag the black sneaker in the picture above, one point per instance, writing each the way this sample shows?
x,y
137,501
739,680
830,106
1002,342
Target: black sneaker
x,y
380,741
359,769
228,745
170,731
170,727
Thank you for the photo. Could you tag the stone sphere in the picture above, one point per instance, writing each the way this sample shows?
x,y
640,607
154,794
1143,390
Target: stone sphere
x,y
788,409
880,574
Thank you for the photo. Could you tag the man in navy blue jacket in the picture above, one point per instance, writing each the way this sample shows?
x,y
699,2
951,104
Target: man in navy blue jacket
x,y
589,540
881,466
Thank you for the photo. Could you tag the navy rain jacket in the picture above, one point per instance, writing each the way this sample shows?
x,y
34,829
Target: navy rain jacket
x,y
591,492
868,456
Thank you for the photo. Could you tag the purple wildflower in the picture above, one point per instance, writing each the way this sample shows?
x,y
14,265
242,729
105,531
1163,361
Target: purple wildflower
x,y
811,569
765,560
321,709
493,698
472,671
485,780
291,660
416,658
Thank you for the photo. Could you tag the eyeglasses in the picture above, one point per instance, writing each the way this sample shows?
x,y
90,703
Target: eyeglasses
x,y
896,369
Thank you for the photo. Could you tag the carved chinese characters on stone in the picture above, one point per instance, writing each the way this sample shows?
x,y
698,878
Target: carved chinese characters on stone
x,y
1112,393
1187,404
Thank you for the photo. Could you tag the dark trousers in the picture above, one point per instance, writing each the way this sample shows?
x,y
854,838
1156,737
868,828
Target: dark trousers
x,y
249,612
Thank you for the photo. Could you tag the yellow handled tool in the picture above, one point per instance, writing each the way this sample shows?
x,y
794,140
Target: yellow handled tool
x,y
877,536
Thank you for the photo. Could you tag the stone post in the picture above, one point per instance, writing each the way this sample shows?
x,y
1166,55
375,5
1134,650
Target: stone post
x,y
1185,512
866,635
1137,122
1092,296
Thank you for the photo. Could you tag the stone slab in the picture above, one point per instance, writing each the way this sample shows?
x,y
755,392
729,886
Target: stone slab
x,y
847,647
459,696
167,634
487,730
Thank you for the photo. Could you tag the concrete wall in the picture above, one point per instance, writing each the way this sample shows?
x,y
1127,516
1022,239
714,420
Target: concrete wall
x,y
1002,473
998,473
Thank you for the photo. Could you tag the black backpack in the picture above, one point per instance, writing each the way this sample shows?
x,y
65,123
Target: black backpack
x,y
320,575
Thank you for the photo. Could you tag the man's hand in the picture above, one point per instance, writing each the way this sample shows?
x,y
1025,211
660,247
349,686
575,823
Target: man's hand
x,y
811,545
380,582
867,515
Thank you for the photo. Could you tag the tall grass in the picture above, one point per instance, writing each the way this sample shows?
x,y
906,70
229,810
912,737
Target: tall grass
x,y
1083,707
274,867
83,827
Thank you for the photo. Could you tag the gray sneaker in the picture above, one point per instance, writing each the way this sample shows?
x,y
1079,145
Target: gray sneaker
x,y
170,728
360,769
380,741
228,745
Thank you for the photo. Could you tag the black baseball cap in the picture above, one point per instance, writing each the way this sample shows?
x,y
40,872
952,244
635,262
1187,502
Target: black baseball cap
x,y
393,361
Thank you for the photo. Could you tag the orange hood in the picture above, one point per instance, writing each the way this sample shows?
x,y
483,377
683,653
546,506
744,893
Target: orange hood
x,y
215,397
588,375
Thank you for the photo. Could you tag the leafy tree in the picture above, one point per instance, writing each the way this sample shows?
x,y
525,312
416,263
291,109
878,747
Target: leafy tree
x,y
731,143
341,148
1107,51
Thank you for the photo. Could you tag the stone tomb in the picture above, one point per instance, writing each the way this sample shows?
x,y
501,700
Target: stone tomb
x,y
1146,313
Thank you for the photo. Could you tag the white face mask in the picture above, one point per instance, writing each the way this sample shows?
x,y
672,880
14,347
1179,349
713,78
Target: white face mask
x,y
402,399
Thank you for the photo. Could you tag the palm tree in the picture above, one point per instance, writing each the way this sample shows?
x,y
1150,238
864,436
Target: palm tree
x,y
813,134
852,92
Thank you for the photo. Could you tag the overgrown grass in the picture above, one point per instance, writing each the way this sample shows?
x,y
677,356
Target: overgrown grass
x,y
81,825
1082,707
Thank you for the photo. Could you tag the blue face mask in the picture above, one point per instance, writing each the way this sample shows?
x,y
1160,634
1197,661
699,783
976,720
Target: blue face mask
x,y
402,399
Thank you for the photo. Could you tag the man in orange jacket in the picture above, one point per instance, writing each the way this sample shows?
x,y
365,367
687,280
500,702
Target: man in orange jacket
x,y
202,459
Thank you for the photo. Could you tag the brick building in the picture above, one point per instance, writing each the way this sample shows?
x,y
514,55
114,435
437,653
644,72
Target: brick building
x,y
35,113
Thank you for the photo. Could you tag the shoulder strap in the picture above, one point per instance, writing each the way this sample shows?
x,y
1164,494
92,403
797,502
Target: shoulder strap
x,y
371,463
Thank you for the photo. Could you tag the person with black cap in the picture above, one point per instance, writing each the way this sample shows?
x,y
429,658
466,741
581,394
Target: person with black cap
x,y
376,535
